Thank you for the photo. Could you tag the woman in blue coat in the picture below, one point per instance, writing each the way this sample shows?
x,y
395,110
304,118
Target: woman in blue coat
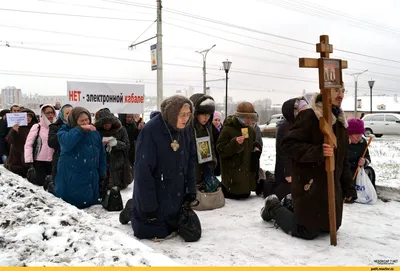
x,y
82,160
164,170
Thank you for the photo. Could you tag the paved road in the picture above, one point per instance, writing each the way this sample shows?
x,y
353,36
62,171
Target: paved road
x,y
388,138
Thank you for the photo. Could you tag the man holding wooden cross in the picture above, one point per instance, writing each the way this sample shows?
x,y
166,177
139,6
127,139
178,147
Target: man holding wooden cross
x,y
318,147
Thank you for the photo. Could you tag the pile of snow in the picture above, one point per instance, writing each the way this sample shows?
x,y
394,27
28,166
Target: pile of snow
x,y
37,229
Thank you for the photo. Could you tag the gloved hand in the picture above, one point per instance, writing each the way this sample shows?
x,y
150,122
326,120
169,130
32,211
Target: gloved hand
x,y
151,216
190,197
113,142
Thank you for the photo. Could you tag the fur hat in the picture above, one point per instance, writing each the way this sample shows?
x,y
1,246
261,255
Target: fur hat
x,y
104,116
171,106
245,109
203,104
356,126
74,115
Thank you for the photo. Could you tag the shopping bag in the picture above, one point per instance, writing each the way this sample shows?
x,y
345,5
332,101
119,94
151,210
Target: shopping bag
x,y
365,190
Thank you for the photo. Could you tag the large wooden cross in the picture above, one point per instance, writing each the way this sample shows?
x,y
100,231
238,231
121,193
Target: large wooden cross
x,y
330,77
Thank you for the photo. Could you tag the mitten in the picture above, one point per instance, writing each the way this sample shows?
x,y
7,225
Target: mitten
x,y
113,142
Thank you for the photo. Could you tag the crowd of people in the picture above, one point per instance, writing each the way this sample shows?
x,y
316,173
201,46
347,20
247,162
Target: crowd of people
x,y
67,154
176,157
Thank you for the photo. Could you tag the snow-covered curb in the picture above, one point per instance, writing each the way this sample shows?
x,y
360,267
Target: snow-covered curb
x,y
37,229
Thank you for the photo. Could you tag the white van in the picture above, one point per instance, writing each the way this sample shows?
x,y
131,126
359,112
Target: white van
x,y
382,124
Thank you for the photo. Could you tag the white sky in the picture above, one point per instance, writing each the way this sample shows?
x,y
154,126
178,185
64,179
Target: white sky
x,y
366,27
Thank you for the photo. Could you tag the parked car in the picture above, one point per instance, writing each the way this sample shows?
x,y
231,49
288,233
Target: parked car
x,y
269,129
382,124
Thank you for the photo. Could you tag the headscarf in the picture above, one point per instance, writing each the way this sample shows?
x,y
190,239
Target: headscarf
x,y
61,113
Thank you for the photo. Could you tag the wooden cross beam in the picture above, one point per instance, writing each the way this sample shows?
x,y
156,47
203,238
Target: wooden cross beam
x,y
330,77
324,48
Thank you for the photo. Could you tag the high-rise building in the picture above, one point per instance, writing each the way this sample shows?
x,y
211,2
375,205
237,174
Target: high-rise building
x,y
10,96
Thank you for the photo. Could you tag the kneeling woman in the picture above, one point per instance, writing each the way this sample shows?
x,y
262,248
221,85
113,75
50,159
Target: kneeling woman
x,y
82,160
164,170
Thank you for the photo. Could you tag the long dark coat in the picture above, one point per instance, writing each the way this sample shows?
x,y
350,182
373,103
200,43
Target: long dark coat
x,y
355,153
237,174
199,131
17,143
133,133
162,178
304,143
282,162
4,147
53,143
117,159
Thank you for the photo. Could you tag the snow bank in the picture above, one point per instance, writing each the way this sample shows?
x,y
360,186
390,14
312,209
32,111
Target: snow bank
x,y
37,229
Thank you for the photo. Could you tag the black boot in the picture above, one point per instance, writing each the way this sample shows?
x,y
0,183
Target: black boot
x,y
287,202
125,215
272,203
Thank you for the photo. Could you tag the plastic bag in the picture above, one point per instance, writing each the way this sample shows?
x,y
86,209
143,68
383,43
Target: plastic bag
x,y
365,190
189,227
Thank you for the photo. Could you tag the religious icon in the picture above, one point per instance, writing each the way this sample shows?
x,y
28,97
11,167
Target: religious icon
x,y
245,132
331,73
204,153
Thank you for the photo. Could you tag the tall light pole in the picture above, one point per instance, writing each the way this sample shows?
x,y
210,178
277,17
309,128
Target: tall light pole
x,y
160,77
355,75
371,85
227,66
204,54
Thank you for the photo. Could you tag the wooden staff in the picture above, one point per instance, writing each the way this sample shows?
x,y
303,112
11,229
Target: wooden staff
x,y
365,151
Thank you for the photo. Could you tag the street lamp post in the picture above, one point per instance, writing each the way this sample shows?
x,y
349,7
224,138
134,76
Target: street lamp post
x,y
204,54
371,85
227,65
355,75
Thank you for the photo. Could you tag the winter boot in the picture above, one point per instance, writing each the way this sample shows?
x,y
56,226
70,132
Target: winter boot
x,y
287,202
125,215
272,203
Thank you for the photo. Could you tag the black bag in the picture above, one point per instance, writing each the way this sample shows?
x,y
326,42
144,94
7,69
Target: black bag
x,y
189,227
112,201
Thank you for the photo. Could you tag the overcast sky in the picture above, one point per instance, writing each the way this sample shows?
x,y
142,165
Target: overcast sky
x,y
264,66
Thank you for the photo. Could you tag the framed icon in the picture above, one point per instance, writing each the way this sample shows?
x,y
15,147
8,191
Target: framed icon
x,y
330,73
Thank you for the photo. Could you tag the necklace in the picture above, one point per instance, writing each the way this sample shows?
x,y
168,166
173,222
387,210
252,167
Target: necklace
x,y
174,143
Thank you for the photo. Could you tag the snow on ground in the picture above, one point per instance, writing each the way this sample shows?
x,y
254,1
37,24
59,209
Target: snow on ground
x,y
236,234
37,229
232,235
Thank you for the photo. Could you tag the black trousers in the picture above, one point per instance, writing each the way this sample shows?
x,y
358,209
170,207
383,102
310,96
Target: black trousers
x,y
286,220
42,169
